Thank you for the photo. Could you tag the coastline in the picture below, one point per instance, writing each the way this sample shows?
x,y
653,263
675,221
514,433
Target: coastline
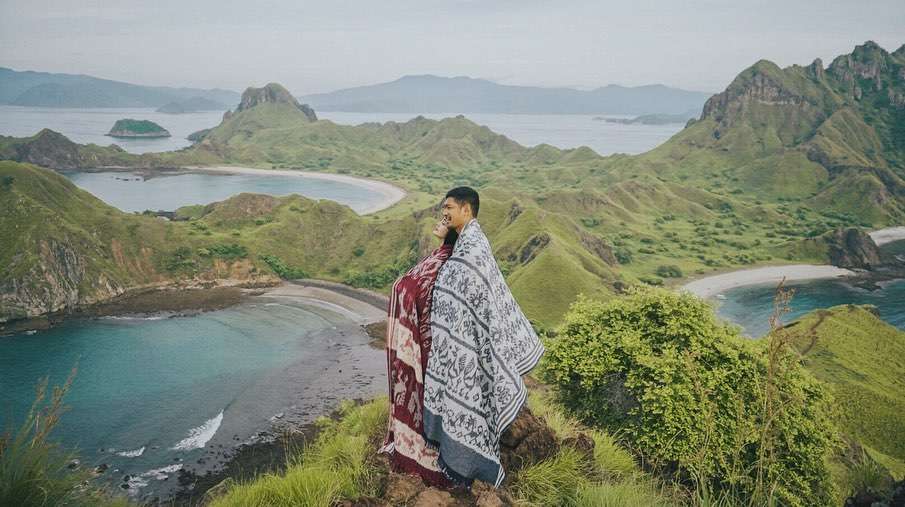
x,y
887,235
712,285
391,193
269,447
230,453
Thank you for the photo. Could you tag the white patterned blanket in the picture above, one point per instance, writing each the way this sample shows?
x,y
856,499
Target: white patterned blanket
x,y
482,345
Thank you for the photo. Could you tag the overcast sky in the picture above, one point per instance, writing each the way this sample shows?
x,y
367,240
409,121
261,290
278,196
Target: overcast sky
x,y
322,46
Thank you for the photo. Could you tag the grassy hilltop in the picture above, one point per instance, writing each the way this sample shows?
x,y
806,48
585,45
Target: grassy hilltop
x,y
774,167
785,165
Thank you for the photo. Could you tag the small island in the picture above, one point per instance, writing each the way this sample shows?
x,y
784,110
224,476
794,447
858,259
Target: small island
x,y
137,128
650,119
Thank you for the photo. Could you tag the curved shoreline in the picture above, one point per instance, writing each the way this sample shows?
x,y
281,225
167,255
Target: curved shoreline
x,y
391,194
887,235
712,285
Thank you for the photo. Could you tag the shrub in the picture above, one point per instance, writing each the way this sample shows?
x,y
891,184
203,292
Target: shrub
x,y
179,260
669,271
692,396
229,252
282,269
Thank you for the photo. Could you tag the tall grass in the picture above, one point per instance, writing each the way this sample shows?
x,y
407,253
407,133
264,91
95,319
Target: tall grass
x,y
611,479
337,464
34,471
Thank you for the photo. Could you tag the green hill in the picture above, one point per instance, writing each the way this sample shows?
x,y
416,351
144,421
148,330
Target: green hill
x,y
777,168
862,359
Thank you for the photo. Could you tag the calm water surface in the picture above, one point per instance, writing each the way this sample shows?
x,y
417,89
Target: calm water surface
x,y
130,192
560,130
153,395
751,306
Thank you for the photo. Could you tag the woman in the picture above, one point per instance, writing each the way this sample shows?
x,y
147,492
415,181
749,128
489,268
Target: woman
x,y
408,347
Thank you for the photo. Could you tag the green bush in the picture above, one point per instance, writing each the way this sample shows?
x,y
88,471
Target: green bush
x,y
669,271
693,397
229,252
282,269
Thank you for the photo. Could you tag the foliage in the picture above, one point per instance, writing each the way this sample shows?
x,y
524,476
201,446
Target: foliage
x,y
34,471
336,465
554,481
283,270
669,271
223,251
692,397
179,260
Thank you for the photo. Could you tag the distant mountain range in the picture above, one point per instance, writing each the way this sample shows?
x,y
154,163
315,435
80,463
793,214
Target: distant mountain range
x,y
44,89
435,94
409,94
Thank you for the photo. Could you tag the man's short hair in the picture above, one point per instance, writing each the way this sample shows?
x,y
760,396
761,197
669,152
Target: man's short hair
x,y
466,194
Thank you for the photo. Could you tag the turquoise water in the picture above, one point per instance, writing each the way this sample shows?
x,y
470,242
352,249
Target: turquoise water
x,y
157,394
751,306
130,192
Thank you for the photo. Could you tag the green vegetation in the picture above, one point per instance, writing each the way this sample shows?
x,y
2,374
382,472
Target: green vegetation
x,y
694,397
287,272
34,471
143,128
858,356
338,464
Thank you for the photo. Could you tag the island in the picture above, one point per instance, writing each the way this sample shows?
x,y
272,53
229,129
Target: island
x,y
650,119
137,128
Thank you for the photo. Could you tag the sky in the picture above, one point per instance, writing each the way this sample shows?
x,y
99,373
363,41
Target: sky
x,y
312,47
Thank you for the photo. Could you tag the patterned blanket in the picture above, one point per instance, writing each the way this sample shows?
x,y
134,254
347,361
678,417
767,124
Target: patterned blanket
x,y
408,347
482,345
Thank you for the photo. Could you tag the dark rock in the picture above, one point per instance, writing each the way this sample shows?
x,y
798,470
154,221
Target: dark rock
x,y
852,248
101,468
365,501
582,443
72,465
530,250
433,497
49,149
485,495
528,440
401,488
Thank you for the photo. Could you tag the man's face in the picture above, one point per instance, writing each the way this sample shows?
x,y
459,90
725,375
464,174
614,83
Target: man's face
x,y
455,214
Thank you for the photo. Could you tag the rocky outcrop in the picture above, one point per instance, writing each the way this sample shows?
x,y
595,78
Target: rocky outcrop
x,y
852,248
598,247
272,93
527,441
530,249
49,149
56,282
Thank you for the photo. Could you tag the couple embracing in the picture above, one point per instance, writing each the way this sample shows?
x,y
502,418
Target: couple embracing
x,y
457,347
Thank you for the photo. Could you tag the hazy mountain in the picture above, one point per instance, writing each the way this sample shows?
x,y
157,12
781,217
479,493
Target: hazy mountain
x,y
434,94
44,89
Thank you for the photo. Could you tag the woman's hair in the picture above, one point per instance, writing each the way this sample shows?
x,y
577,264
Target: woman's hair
x,y
451,236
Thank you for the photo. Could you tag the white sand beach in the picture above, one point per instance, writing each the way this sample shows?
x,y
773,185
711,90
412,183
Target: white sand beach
x,y
350,302
710,286
391,194
888,235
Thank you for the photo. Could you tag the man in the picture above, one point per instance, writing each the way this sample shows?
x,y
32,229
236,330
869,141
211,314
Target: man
x,y
482,345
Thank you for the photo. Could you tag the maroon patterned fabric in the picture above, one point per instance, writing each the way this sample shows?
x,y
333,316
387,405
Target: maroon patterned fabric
x,y
408,348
